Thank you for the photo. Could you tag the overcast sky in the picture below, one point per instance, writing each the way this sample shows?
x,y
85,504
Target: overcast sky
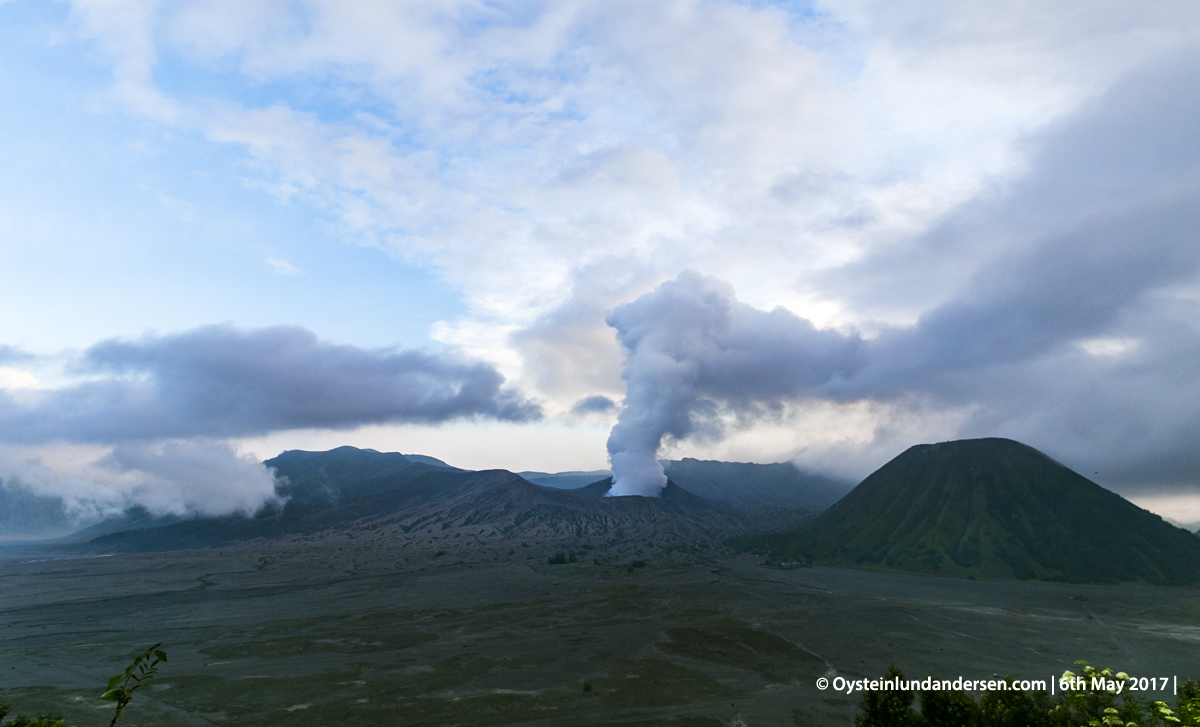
x,y
813,231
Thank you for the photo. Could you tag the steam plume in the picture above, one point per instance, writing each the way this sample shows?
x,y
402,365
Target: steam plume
x,y
693,348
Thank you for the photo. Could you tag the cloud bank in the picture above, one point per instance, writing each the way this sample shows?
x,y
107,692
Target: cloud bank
x,y
178,477
218,381
166,404
11,354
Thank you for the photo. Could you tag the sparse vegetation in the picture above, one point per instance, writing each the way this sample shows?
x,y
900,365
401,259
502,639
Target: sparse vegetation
x,y
48,719
1014,707
120,689
1187,707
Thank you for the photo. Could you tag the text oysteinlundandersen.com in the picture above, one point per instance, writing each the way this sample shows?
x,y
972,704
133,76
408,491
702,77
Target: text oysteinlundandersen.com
x,y
1065,683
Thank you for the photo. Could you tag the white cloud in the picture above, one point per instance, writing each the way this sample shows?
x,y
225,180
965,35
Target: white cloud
x,y
517,143
280,266
125,29
1180,508
178,477
11,378
1108,346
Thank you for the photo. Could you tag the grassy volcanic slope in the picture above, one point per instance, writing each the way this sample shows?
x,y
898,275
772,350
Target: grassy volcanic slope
x,y
993,508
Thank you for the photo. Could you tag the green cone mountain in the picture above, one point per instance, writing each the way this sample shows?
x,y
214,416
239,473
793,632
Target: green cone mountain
x,y
991,508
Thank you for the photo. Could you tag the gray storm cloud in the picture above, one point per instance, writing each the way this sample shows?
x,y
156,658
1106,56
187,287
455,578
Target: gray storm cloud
x,y
596,404
165,403
11,354
1079,331
218,381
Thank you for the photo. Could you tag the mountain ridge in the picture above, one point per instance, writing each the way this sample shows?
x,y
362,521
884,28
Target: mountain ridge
x,y
311,478
389,497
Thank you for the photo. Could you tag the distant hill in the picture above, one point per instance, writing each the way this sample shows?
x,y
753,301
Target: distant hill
x,y
24,514
343,473
426,459
671,491
135,518
991,508
751,486
392,498
744,485
565,480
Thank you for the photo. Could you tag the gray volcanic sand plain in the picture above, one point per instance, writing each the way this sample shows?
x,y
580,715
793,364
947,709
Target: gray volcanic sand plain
x,y
311,634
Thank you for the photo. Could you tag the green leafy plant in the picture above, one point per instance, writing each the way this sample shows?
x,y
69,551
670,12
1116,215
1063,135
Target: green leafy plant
x,y
888,708
948,708
1103,708
1187,705
144,668
1012,707
49,719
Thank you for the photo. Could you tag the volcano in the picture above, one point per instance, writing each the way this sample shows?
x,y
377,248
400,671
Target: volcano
x,y
397,500
991,508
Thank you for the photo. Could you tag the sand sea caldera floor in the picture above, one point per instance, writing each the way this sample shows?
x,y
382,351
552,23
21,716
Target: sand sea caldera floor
x,y
308,635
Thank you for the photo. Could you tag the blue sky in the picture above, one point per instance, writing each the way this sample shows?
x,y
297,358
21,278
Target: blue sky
x,y
114,225
969,219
